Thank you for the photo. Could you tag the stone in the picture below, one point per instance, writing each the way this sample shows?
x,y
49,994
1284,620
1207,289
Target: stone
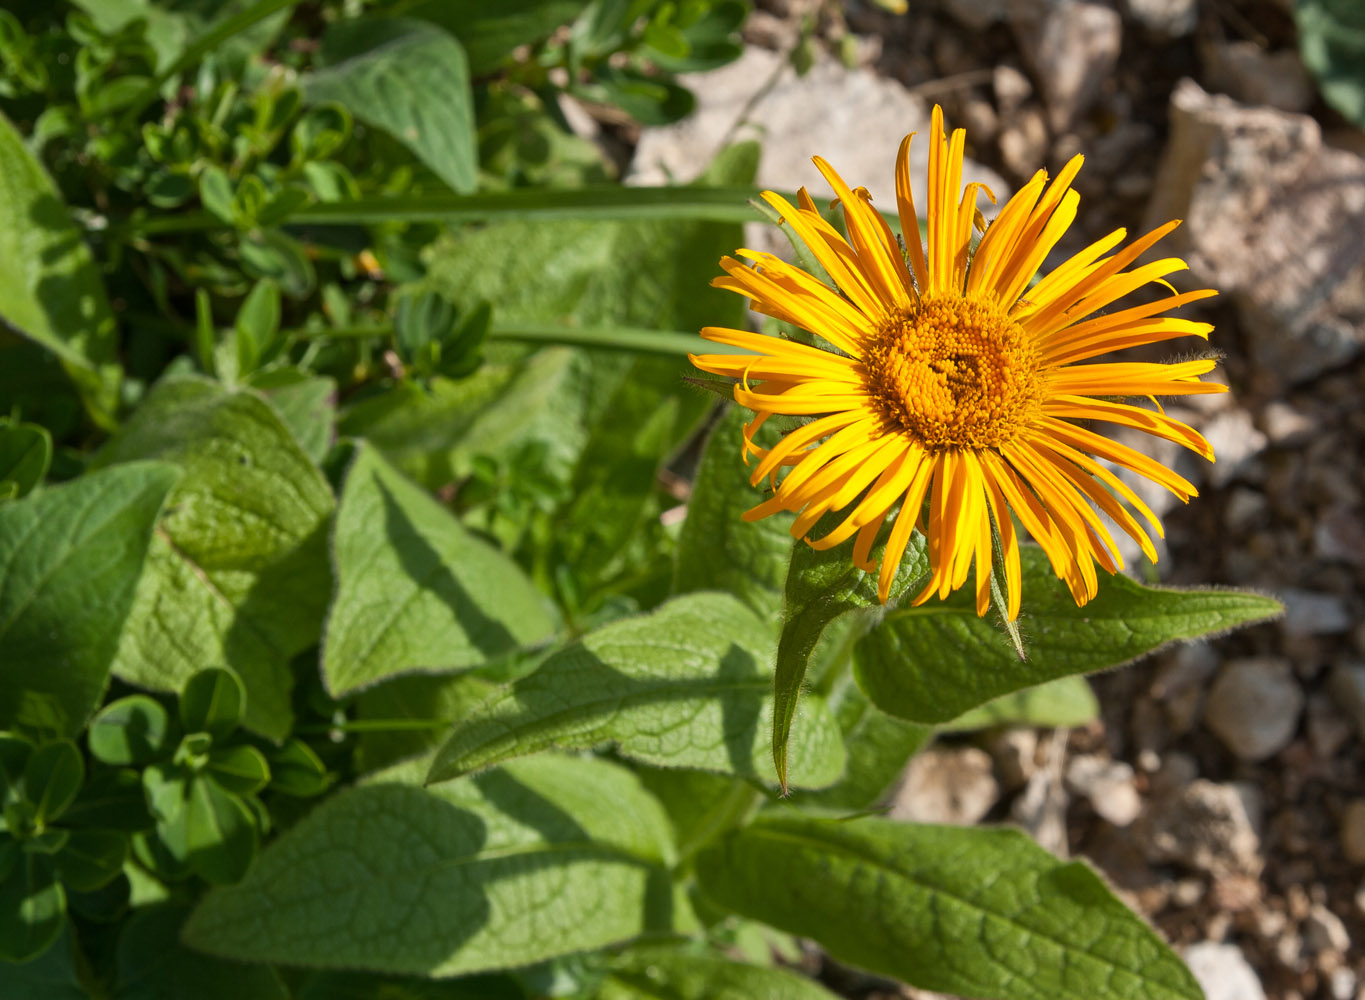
x,y
1015,751
1353,832
1223,972
1206,826
1249,74
1328,728
1108,785
854,118
1312,612
1339,535
976,14
1341,983
1235,440
1245,508
1168,18
951,785
1012,88
1347,687
1324,931
1253,706
1072,46
1285,425
1023,140
1271,219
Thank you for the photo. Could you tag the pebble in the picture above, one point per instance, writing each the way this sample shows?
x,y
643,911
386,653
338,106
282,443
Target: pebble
x,y
1254,706
1012,88
1347,687
1235,440
1171,18
1285,425
1023,140
1324,931
1245,71
1108,785
976,14
1353,832
1208,826
1188,666
1245,508
1342,983
1313,612
951,785
1339,536
1328,728
1223,972
1015,751
1073,47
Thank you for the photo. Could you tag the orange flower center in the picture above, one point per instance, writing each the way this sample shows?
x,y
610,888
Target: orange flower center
x,y
955,373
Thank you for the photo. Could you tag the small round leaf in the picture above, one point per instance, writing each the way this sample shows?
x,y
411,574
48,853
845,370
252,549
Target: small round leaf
x,y
133,730
212,702
296,770
32,908
52,777
91,859
242,770
220,832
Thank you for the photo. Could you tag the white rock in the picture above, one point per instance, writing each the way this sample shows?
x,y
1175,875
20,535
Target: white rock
x,y
1312,612
1172,18
1271,216
1342,983
1285,425
1353,832
854,118
1073,47
1254,706
946,785
1023,140
1015,750
1235,440
1324,931
1248,73
1204,825
1223,972
1012,88
1108,784
1328,728
1188,666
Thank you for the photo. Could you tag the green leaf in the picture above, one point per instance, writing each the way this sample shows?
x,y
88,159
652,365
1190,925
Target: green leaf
x,y
975,912
539,858
409,78
50,976
663,973
296,770
934,662
489,32
132,730
306,403
70,558
52,779
237,575
153,965
414,698
32,908
700,804
825,590
1332,43
1063,703
367,986
416,590
878,746
25,454
220,833
242,770
50,289
686,686
212,702
109,799
720,551
91,859
257,324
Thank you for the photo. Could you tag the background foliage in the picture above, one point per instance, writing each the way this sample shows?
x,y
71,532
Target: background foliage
x,y
350,639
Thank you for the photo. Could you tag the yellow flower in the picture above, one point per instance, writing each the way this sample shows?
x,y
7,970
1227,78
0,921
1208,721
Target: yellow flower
x,y
943,375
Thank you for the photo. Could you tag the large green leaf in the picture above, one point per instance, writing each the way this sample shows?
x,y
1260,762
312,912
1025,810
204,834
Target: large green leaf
x,y
539,858
415,590
718,550
661,973
972,912
409,78
70,558
1332,42
237,575
878,747
824,590
936,661
50,289
489,32
686,686
50,976
153,965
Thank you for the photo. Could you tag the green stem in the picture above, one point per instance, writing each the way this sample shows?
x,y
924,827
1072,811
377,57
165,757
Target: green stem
x,y
377,726
624,338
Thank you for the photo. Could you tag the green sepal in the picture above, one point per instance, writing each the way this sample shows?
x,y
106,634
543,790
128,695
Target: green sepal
x,y
52,778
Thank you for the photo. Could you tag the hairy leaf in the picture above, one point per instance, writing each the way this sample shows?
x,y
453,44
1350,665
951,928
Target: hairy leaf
x,y
660,973
973,912
686,686
535,859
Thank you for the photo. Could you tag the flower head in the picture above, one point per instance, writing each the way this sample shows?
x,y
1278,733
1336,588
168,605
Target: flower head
x,y
943,375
